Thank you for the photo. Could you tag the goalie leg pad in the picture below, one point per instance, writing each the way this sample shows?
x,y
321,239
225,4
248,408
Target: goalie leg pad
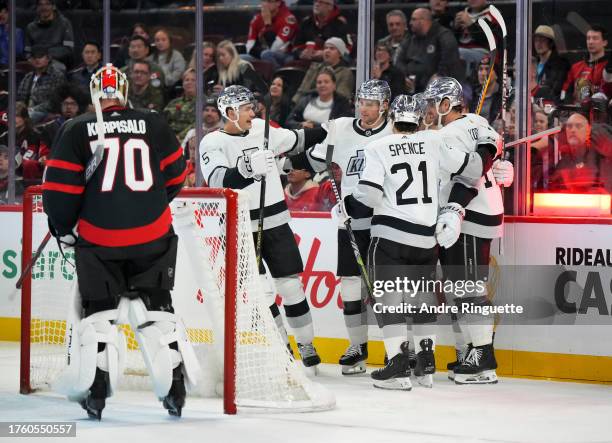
x,y
155,331
94,342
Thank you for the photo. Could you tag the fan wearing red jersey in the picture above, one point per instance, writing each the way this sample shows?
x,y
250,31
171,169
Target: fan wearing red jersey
x,y
112,176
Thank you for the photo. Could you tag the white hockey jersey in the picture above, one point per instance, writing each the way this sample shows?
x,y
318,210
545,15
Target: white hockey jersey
x,y
484,215
400,181
350,141
220,151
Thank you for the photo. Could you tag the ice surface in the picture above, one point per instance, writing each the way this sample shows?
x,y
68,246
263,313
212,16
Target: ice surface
x,y
514,410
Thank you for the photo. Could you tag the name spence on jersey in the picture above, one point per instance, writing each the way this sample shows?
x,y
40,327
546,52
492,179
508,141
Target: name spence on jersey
x,y
406,148
130,126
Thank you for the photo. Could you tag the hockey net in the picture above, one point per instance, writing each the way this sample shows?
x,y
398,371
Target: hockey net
x,y
217,294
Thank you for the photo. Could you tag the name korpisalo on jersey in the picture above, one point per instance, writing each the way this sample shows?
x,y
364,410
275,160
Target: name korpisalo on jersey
x,y
129,126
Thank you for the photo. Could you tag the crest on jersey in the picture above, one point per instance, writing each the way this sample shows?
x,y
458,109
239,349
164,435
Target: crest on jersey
x,y
356,164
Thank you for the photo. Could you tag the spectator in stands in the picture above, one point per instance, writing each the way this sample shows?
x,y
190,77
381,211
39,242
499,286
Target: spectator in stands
x,y
439,11
430,50
491,106
320,106
71,102
92,61
4,36
324,23
540,123
30,149
52,30
37,87
171,61
122,55
281,102
333,53
585,77
472,41
180,112
540,94
301,192
211,75
382,69
271,33
4,172
235,71
397,26
211,121
551,67
139,50
578,170
142,94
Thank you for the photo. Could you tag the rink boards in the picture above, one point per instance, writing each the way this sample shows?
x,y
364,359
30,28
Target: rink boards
x,y
554,266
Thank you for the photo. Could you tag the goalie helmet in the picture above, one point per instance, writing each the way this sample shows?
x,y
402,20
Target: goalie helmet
x,y
233,97
109,83
378,90
406,109
444,87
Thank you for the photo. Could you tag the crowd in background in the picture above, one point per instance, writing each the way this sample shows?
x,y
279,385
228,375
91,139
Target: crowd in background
x,y
307,66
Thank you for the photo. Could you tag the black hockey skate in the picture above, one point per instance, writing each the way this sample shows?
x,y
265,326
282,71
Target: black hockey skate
x,y
310,358
460,354
354,359
175,400
95,402
425,363
478,367
396,374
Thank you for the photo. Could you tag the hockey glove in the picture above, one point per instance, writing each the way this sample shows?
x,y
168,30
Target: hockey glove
x,y
64,239
448,226
258,165
338,212
503,171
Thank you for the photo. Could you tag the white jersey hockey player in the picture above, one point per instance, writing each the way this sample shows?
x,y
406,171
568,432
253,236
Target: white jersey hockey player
x,y
399,186
483,221
351,137
232,157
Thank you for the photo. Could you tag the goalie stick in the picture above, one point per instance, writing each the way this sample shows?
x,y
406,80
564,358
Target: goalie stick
x,y
262,189
347,223
92,165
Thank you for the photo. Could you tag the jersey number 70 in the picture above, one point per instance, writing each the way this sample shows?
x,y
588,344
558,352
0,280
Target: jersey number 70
x,y
130,147
400,199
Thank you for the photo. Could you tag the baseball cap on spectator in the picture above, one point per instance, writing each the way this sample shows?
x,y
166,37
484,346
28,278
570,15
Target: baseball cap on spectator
x,y
4,149
212,102
545,31
339,44
39,51
300,162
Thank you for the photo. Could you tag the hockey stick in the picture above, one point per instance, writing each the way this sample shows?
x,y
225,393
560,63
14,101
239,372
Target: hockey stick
x,y
534,137
492,55
347,223
91,167
502,24
578,22
262,189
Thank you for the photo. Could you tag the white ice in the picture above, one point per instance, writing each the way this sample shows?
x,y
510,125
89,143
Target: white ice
x,y
514,410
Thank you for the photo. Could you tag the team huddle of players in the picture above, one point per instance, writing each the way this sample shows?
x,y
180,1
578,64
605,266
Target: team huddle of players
x,y
413,195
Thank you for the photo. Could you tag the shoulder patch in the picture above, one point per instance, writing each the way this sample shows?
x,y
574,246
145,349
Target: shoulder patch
x,y
291,20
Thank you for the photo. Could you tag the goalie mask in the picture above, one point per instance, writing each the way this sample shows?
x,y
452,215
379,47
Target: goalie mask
x,y
406,109
109,83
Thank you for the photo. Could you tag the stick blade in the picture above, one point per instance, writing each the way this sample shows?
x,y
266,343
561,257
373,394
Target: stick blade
x,y
499,18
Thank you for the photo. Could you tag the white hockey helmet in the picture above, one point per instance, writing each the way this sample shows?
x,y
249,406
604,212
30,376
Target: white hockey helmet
x,y
406,109
109,83
444,87
378,90
233,97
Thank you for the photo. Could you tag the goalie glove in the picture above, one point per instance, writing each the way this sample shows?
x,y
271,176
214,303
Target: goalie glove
x,y
448,226
503,171
257,165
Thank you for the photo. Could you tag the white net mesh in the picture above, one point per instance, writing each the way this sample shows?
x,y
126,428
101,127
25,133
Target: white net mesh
x,y
266,375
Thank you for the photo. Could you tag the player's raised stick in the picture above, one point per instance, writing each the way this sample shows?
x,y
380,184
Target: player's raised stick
x,y
492,55
347,223
262,191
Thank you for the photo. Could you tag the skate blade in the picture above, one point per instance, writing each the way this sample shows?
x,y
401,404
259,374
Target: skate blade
x,y
356,369
483,378
311,371
425,380
451,375
396,384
